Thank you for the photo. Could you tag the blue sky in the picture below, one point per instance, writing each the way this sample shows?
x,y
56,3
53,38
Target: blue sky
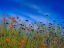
x,y
33,10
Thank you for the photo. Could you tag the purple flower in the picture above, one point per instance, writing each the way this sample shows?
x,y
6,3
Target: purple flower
x,y
49,23
55,34
32,30
19,32
46,15
49,27
7,35
34,37
57,24
59,42
31,26
40,22
43,24
54,21
27,20
17,17
40,31
62,18
14,25
7,23
62,27
22,28
2,35
47,42
20,24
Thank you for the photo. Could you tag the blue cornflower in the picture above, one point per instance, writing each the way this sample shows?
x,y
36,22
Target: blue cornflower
x,y
21,24
7,35
59,42
19,32
34,37
2,35
47,41
22,28
62,27
40,31
27,20
55,34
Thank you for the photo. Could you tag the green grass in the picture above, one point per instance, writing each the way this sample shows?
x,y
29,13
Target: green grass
x,y
35,40
15,37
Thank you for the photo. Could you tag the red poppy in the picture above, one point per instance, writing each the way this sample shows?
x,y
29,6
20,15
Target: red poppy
x,y
58,27
44,45
19,43
13,19
7,40
23,37
12,26
28,28
22,42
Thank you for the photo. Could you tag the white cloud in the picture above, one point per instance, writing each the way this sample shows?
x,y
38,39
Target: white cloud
x,y
37,8
39,18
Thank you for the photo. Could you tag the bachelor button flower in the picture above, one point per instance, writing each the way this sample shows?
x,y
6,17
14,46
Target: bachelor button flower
x,y
17,17
22,28
59,42
32,30
2,35
55,34
34,37
27,20
43,24
21,24
46,15
7,35
62,18
40,31
62,27
63,22
47,41
54,21
49,27
19,32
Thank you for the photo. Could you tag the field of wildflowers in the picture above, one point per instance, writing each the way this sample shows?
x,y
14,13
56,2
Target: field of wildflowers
x,y
35,35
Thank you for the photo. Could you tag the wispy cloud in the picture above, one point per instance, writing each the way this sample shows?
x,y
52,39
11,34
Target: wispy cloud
x,y
37,8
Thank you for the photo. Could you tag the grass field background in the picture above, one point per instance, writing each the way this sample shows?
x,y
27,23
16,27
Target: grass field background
x,y
15,35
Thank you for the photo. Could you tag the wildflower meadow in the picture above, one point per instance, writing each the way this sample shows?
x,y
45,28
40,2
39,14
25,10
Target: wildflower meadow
x,y
17,33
